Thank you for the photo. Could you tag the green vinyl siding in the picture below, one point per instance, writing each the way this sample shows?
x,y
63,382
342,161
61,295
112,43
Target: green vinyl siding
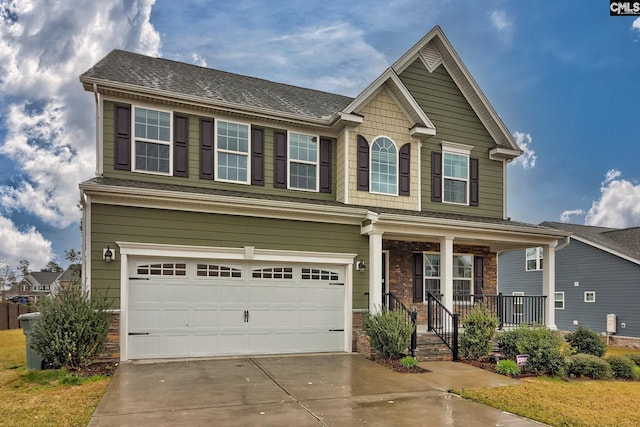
x,y
194,163
111,223
455,121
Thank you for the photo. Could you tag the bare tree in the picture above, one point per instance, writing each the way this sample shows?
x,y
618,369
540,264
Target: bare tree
x,y
8,280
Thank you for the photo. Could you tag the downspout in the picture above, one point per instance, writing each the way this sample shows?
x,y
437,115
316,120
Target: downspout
x,y
567,240
99,119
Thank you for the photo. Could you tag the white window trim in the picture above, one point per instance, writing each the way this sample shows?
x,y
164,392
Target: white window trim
x,y
462,150
316,163
397,166
217,150
554,300
153,141
539,258
588,300
425,277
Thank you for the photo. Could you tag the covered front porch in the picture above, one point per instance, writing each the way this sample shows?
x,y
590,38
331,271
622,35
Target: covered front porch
x,y
453,258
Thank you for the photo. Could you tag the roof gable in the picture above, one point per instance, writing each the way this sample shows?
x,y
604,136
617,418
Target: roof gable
x,y
434,50
43,277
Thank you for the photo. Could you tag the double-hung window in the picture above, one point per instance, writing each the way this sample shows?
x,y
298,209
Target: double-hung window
x,y
462,276
384,166
232,155
455,177
303,161
152,133
558,300
534,259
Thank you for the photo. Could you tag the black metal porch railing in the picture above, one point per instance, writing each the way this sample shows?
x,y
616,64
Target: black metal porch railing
x,y
443,323
510,310
392,303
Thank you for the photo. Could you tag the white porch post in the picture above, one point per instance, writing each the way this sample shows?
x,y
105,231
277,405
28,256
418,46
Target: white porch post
x,y
446,271
375,271
549,282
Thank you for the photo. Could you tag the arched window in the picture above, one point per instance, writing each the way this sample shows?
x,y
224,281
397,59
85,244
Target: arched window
x,y
384,166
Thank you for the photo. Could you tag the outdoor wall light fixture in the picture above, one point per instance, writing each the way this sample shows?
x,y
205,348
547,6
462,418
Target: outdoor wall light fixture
x,y
360,265
107,254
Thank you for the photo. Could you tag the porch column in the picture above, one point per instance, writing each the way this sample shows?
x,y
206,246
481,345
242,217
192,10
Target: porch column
x,y
446,271
549,282
375,271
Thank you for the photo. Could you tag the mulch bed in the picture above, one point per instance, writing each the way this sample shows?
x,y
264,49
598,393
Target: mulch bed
x,y
396,365
106,368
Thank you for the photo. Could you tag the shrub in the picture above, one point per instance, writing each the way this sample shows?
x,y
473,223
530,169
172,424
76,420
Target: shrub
x,y
589,366
72,328
480,327
408,362
637,371
388,332
621,366
587,341
507,367
635,357
543,346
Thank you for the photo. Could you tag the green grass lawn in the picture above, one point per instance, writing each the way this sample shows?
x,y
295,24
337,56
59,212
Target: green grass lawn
x,y
42,398
567,403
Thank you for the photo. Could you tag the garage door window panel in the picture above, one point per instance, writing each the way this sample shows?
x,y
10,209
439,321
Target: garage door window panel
x,y
317,274
214,270
163,269
273,273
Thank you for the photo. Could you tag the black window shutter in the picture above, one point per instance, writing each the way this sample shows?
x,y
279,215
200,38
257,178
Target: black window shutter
x,y
325,165
478,275
363,163
280,159
206,148
436,176
122,141
418,277
257,156
474,190
180,145
405,169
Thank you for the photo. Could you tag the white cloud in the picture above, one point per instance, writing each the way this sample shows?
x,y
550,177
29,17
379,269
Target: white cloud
x,y
500,21
198,60
49,120
23,244
636,24
528,158
566,215
619,203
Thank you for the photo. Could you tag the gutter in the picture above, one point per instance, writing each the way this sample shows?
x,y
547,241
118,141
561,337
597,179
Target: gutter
x,y
567,240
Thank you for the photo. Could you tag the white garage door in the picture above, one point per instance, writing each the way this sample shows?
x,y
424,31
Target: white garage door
x,y
215,308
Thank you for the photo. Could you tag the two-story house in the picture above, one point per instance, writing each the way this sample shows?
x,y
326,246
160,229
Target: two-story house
x,y
234,215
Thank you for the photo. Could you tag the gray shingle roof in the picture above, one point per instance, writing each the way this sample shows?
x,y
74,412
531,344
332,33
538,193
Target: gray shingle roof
x,y
44,277
624,241
213,86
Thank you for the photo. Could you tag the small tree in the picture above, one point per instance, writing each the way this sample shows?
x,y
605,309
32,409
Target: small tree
x,y
388,332
72,328
479,328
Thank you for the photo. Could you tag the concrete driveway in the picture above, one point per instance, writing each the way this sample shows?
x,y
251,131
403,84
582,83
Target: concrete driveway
x,y
313,390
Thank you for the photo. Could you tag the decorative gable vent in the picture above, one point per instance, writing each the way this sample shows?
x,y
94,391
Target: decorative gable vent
x,y
431,56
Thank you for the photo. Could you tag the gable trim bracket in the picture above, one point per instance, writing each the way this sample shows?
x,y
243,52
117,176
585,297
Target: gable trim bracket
x,y
501,153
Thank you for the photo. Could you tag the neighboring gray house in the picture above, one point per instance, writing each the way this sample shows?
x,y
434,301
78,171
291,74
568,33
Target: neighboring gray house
x,y
597,274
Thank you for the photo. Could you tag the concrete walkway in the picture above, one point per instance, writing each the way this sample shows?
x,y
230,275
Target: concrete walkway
x,y
313,390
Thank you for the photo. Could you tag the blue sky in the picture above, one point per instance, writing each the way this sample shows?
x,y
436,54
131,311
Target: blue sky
x,y
564,77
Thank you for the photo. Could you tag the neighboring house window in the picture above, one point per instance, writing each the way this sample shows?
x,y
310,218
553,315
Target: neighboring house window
x,y
303,161
589,296
558,300
232,152
534,259
455,177
462,276
384,166
152,147
25,287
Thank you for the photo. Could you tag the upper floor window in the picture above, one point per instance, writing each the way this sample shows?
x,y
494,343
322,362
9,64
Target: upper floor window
x,y
152,133
384,166
303,161
232,152
456,177
534,259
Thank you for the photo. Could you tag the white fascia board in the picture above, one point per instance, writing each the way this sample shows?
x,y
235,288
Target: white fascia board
x,y
604,248
501,153
206,103
232,254
209,203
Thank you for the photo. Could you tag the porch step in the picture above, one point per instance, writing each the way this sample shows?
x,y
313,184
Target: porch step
x,y
430,348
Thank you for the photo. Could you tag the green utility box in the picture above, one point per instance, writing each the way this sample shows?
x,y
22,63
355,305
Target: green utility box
x,y
27,320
